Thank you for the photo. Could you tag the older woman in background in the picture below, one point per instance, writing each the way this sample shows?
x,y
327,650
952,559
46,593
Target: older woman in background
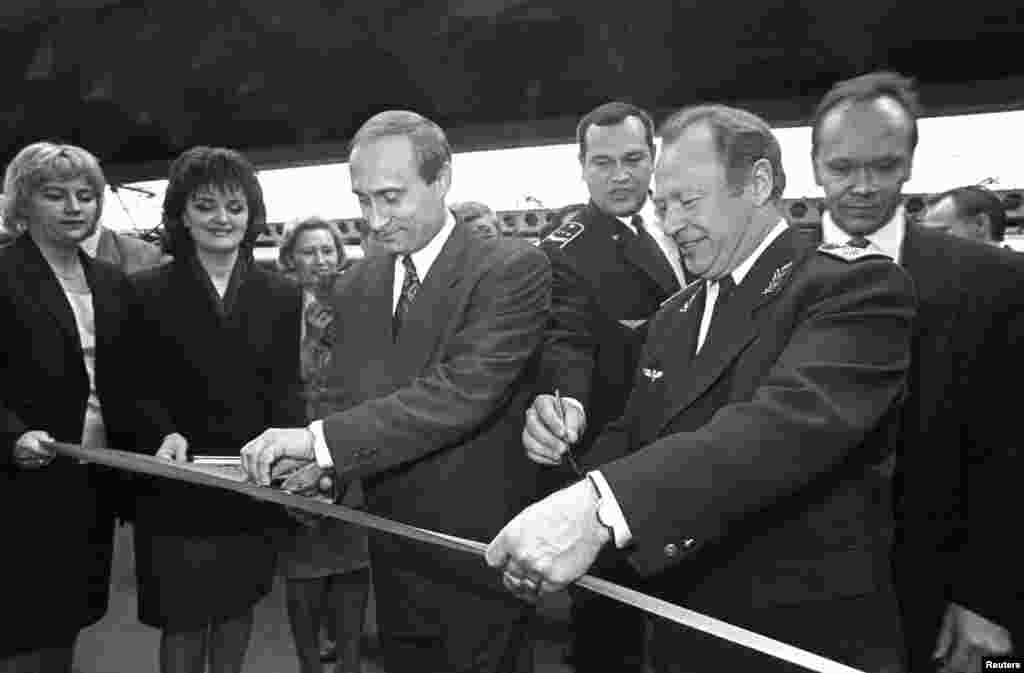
x,y
480,218
224,335
62,377
327,562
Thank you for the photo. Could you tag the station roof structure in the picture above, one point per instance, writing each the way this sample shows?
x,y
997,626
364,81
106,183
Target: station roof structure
x,y
138,81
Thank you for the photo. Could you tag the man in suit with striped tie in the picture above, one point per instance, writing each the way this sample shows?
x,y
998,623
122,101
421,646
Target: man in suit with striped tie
x,y
434,341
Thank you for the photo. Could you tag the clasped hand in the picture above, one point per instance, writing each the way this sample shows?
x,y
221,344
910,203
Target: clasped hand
x,y
29,454
550,543
263,457
965,637
545,437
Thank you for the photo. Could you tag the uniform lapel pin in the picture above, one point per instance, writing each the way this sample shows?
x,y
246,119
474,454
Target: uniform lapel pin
x,y
652,374
778,278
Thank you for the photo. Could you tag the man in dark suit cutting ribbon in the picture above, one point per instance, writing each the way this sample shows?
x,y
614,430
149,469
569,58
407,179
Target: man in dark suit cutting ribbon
x,y
430,372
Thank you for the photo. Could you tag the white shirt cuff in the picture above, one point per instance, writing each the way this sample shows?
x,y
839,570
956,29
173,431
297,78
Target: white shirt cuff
x,y
575,402
323,454
611,513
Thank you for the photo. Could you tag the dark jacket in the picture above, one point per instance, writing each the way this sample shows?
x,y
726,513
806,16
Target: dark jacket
x,y
958,468
220,379
603,277
432,421
746,479
59,520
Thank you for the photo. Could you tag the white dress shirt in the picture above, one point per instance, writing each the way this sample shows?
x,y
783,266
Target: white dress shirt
x,y
738,274
628,221
422,259
888,240
621,533
94,434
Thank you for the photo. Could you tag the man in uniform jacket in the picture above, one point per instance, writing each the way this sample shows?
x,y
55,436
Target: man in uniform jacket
x,y
738,478
956,442
609,277
430,371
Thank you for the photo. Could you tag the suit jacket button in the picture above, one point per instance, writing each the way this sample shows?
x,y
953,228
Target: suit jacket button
x,y
671,550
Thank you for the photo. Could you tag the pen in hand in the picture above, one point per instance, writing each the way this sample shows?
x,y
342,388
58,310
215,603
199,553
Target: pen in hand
x,y
568,452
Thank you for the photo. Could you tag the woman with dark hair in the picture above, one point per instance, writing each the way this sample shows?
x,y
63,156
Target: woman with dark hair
x,y
225,341
326,564
62,377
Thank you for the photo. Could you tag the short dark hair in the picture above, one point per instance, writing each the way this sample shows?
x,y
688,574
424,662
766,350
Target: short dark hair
x,y
429,143
867,88
610,114
216,167
975,200
741,139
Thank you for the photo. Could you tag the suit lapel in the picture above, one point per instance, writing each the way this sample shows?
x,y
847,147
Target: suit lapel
x,y
41,283
737,326
428,316
666,275
643,252
105,305
940,298
918,256
374,305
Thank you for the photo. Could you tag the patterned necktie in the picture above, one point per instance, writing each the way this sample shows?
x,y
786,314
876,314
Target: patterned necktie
x,y
410,286
316,345
859,242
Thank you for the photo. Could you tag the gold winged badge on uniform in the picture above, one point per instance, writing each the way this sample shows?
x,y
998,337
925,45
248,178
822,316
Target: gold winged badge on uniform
x,y
850,253
778,279
565,233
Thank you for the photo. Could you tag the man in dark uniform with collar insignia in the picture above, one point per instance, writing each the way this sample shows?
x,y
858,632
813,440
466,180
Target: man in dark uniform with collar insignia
x,y
740,477
610,274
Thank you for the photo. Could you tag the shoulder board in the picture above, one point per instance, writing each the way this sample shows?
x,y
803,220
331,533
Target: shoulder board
x,y
564,234
850,253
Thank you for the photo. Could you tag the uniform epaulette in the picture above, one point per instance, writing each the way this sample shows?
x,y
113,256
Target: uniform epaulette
x,y
850,253
564,234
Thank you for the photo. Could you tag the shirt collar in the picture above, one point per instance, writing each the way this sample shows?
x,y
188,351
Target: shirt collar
x,y
741,271
91,245
424,258
628,222
887,240
646,213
